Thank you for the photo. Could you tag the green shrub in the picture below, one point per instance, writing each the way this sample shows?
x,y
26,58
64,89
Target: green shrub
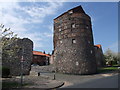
x,y
5,72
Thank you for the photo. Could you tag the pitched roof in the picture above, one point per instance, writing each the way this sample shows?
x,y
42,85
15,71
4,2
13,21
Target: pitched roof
x,y
98,45
40,53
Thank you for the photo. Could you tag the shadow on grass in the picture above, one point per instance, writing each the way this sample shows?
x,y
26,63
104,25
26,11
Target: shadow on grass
x,y
13,84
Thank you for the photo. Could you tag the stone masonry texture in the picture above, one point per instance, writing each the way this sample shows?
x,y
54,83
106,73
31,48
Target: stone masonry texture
x,y
73,43
99,56
22,47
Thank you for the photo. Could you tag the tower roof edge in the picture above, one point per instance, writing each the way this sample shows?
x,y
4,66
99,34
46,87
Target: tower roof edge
x,y
77,9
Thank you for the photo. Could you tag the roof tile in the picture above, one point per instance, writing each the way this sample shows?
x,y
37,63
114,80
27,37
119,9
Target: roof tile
x,y
40,53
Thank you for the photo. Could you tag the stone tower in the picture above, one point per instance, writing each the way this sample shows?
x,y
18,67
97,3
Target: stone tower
x,y
73,43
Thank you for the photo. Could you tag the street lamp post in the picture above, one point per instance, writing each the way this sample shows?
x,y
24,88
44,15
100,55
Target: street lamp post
x,y
21,81
22,60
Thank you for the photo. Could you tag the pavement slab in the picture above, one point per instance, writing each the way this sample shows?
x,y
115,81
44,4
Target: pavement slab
x,y
36,82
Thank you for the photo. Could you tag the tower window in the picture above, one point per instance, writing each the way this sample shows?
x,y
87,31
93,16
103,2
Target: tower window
x,y
73,25
70,12
73,41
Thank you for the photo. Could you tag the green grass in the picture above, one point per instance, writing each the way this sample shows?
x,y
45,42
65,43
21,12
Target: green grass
x,y
107,69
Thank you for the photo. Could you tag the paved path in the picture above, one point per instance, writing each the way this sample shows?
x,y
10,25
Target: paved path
x,y
109,79
36,82
105,82
45,80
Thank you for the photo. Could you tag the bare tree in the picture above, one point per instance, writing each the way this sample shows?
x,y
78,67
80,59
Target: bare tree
x,y
7,37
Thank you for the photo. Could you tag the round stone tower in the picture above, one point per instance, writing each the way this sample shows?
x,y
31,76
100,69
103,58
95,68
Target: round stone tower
x,y
73,43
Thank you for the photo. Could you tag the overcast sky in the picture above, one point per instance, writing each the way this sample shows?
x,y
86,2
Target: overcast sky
x,y
34,20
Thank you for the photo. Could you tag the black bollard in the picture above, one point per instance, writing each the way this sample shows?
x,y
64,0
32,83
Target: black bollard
x,y
38,73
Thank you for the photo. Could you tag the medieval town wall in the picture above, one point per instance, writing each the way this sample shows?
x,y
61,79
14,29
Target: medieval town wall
x,y
99,56
21,47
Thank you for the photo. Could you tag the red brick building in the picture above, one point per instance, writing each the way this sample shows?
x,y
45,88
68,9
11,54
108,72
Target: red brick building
x,y
40,58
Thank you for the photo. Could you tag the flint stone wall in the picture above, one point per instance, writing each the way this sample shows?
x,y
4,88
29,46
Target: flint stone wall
x,y
99,57
73,45
23,47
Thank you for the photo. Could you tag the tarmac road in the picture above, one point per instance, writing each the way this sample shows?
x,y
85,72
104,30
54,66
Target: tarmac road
x,y
105,82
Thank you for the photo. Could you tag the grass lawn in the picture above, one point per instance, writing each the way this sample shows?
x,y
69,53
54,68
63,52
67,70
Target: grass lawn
x,y
107,69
